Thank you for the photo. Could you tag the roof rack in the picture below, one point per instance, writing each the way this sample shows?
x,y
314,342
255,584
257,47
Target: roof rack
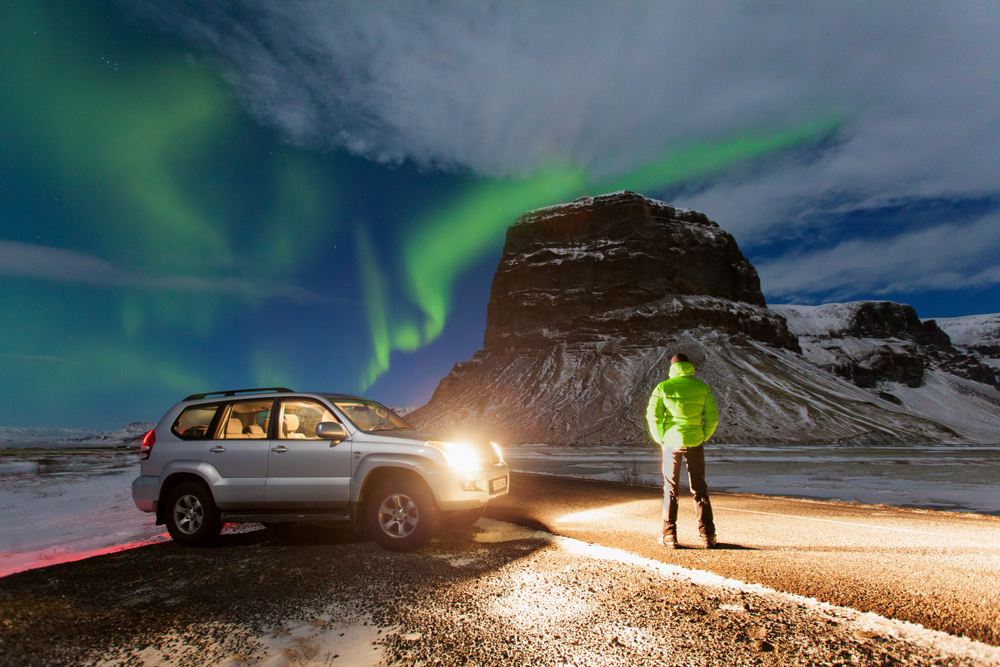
x,y
233,392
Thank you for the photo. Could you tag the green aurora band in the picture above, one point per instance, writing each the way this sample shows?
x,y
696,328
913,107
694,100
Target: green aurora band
x,y
439,248
127,144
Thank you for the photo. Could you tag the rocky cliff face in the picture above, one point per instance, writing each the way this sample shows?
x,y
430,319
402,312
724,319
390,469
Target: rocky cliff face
x,y
612,267
590,301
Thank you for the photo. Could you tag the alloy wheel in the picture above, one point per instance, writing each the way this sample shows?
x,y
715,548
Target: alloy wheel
x,y
398,515
188,514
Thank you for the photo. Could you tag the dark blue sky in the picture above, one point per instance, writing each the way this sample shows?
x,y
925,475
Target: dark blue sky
x,y
217,196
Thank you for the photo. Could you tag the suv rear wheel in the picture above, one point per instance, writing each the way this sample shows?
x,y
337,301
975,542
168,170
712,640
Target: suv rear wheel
x,y
192,519
402,515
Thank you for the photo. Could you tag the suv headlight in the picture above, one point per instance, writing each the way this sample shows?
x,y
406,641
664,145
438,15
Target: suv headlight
x,y
459,455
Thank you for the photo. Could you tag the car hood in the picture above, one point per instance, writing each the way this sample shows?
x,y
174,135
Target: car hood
x,y
424,436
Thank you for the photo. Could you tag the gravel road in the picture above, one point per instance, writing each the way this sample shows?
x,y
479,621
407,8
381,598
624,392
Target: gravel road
x,y
492,595
938,569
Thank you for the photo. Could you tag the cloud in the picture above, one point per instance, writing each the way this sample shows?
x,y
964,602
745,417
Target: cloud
x,y
506,88
943,257
34,261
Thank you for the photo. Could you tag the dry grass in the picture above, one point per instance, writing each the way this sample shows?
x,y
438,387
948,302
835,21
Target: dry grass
x,y
50,466
630,472
121,461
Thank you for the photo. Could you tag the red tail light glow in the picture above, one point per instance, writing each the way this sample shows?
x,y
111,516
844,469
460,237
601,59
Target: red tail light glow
x,y
147,445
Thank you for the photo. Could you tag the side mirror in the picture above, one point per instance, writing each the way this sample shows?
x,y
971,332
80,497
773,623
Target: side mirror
x,y
331,431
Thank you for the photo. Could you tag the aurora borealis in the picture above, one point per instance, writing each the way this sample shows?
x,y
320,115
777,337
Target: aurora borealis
x,y
174,221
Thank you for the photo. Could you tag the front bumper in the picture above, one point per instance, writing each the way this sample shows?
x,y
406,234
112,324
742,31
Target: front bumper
x,y
145,492
447,484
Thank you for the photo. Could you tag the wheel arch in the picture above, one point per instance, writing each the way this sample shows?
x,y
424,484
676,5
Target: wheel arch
x,y
382,472
171,482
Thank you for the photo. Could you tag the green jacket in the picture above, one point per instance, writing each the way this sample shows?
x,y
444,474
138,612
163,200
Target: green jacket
x,y
682,411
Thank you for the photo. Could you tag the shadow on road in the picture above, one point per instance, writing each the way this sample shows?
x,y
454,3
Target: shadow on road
x,y
725,546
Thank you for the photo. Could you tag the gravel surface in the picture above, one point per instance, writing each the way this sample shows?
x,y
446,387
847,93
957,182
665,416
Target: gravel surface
x,y
317,595
937,569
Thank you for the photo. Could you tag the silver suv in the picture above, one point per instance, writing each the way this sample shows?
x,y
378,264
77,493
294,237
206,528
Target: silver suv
x,y
276,456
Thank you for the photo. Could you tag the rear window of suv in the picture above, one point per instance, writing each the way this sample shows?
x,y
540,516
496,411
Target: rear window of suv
x,y
194,422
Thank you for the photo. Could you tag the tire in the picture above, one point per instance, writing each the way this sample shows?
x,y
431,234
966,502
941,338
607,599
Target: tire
x,y
463,519
192,518
402,515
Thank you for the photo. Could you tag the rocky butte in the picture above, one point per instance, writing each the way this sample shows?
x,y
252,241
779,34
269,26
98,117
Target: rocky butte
x,y
592,298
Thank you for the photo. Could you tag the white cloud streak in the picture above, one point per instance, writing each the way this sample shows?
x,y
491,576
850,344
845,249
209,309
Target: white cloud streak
x,y
503,88
944,257
508,86
27,260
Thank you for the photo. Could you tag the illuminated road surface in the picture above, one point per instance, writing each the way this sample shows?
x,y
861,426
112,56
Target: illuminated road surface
x,y
938,569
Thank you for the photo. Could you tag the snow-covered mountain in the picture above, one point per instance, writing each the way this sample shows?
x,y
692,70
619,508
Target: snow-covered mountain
x,y
977,334
882,346
130,434
590,301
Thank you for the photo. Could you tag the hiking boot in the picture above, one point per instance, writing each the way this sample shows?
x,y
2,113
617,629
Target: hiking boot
x,y
668,541
710,541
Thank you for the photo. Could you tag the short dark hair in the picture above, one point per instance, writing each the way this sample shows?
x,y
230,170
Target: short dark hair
x,y
678,358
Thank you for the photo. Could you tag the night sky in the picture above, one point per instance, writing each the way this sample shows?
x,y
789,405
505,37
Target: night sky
x,y
214,195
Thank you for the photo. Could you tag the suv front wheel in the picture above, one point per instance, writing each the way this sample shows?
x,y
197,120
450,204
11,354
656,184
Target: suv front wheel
x,y
402,515
192,519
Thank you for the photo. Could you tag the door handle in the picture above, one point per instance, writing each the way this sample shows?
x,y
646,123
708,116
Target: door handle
x,y
280,449
218,449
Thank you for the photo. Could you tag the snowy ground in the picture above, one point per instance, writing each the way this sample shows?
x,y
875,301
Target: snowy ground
x,y
62,505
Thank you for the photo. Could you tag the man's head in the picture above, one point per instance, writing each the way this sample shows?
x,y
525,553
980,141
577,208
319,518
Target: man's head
x,y
678,358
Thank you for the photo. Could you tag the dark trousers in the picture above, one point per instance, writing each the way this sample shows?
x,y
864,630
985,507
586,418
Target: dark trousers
x,y
696,476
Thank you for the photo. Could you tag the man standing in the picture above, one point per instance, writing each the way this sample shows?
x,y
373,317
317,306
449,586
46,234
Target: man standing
x,y
682,415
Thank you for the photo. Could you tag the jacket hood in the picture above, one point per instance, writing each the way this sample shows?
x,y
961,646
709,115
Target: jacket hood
x,y
681,368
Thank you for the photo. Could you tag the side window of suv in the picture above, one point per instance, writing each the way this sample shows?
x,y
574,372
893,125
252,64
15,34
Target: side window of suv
x,y
194,422
247,420
300,418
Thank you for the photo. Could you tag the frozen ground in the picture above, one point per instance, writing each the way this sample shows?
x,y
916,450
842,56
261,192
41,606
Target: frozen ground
x,y
58,505
961,478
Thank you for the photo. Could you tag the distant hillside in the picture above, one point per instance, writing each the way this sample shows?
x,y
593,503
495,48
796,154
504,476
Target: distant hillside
x,y
15,437
883,347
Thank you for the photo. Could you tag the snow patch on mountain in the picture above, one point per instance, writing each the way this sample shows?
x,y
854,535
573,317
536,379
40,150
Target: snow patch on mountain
x,y
968,407
972,330
585,203
825,320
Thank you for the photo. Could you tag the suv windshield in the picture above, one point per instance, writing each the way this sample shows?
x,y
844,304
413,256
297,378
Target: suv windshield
x,y
371,416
